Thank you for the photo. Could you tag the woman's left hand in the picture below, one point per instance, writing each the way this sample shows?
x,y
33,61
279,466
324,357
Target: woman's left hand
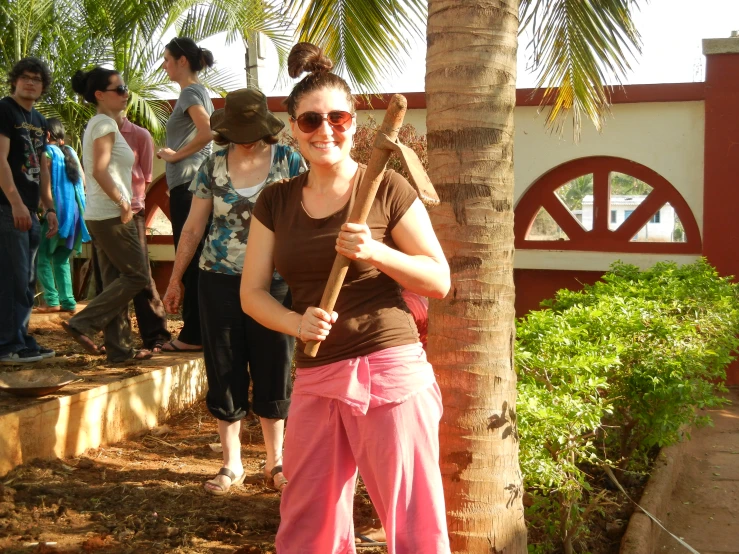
x,y
166,154
356,243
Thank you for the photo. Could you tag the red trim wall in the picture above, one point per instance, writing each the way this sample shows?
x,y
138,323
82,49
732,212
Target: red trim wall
x,y
721,184
535,285
627,94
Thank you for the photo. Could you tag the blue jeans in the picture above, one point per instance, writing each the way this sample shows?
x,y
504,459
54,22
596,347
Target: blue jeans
x,y
17,282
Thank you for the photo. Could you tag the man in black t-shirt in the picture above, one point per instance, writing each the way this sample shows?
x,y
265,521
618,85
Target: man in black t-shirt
x,y
24,180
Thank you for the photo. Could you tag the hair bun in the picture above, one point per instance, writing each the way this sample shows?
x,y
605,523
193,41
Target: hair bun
x,y
79,82
305,56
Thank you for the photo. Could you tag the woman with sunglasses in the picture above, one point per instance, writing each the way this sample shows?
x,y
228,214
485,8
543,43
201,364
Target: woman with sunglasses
x,y
188,146
108,162
368,400
237,349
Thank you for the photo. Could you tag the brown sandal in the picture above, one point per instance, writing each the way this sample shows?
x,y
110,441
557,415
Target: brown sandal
x,y
275,480
223,489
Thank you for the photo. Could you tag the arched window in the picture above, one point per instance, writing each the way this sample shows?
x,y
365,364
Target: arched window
x,y
605,204
157,212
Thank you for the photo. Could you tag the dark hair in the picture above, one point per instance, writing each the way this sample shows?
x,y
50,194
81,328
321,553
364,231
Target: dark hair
x,y
30,65
56,133
220,140
198,58
88,83
305,56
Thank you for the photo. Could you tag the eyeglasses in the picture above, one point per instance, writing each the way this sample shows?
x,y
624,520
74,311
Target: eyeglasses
x,y
120,89
310,121
31,79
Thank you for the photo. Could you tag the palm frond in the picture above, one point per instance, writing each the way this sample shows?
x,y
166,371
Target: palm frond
x,y
577,47
366,40
239,19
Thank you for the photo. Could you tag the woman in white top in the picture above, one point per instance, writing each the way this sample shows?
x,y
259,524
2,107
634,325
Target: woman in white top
x,y
108,162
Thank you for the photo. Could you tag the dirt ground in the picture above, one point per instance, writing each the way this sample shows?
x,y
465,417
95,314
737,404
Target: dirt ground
x,y
145,494
704,507
94,370
607,520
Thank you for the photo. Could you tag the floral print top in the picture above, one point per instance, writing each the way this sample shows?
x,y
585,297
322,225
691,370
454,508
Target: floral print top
x,y
225,244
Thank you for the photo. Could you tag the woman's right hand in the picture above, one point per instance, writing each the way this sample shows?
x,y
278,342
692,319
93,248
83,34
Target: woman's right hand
x,y
126,212
316,324
173,297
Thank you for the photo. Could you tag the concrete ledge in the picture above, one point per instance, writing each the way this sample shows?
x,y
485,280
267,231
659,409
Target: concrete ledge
x,y
642,534
68,425
721,46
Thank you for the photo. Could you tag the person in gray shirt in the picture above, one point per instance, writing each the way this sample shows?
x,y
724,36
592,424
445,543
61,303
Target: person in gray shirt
x,y
188,146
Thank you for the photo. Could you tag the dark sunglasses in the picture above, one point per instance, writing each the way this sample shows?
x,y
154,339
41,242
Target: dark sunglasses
x,y
310,121
120,89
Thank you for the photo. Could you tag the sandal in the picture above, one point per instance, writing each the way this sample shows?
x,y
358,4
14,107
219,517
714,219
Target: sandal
x,y
275,480
138,356
174,349
156,346
47,309
363,541
83,340
142,355
223,489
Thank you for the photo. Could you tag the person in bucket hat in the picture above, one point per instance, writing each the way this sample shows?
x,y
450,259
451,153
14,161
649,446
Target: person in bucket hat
x,y
245,119
236,348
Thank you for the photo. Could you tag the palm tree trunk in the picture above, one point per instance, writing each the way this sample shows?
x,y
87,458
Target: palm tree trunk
x,y
471,95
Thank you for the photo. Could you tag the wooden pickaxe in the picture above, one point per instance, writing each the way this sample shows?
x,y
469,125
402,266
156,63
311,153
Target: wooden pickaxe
x,y
386,142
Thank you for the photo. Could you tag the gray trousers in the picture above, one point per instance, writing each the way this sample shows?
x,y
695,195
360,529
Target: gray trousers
x,y
124,273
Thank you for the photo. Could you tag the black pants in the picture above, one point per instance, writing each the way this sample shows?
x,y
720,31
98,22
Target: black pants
x,y
180,199
233,342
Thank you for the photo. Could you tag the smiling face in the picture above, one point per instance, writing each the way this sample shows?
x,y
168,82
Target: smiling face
x,y
325,146
110,99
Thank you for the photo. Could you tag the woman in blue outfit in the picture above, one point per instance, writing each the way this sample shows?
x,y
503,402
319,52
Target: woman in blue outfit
x,y
67,188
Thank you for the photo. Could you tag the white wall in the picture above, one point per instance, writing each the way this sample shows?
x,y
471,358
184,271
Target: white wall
x,y
666,137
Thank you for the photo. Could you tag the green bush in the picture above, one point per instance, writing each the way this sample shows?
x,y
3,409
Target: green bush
x,y
609,372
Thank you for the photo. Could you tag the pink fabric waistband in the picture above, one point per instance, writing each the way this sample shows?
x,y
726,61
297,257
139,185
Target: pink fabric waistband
x,y
388,376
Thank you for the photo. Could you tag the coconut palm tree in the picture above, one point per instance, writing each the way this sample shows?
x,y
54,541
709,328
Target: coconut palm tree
x,y
577,47
470,97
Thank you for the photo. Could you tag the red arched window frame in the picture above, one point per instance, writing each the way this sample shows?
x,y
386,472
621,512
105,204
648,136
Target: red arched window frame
x,y
157,197
601,239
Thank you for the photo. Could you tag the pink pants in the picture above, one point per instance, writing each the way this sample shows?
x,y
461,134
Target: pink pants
x,y
390,434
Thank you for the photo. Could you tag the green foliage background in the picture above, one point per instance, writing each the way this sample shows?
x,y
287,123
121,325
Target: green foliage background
x,y
608,373
127,35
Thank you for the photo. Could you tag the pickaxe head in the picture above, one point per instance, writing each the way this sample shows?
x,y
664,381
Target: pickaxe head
x,y
418,176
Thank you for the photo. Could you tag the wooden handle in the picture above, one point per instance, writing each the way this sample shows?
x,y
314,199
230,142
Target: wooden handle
x,y
365,196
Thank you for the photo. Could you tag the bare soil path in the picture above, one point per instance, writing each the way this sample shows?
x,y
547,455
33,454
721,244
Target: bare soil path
x,y
704,508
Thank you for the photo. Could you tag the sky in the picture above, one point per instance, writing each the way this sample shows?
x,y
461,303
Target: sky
x,y
671,30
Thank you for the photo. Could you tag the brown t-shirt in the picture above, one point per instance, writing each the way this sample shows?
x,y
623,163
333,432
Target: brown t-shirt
x,y
372,314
